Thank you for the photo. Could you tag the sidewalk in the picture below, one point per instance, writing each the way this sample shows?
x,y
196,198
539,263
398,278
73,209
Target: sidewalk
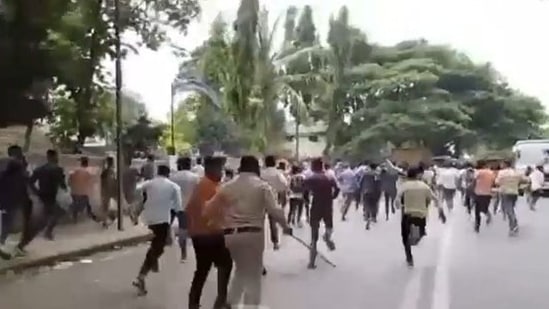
x,y
73,241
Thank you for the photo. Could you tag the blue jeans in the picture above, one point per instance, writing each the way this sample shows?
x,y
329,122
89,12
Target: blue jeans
x,y
182,232
508,202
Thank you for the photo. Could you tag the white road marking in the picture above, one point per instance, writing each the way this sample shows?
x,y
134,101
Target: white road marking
x,y
441,290
412,291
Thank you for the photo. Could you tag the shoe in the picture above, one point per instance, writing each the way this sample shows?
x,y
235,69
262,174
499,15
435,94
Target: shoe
x,y
299,224
220,305
264,273
368,225
329,243
276,247
18,252
311,266
49,237
489,219
139,284
410,263
477,229
514,231
4,255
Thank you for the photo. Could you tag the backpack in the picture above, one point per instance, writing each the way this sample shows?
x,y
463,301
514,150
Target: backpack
x,y
296,183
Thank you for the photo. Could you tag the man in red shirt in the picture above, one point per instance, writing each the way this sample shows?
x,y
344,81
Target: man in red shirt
x,y
208,237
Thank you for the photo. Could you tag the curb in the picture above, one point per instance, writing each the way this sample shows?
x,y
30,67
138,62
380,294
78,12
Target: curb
x,y
22,264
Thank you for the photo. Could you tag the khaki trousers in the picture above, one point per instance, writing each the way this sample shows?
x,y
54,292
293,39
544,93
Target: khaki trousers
x,y
247,253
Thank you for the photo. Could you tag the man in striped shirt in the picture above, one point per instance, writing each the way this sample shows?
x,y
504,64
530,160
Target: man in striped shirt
x,y
509,181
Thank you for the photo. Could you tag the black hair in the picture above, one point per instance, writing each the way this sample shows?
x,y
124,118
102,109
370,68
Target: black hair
x,y
270,161
199,160
317,165
184,163
150,157
15,150
373,165
163,170
229,172
282,165
51,153
327,166
413,172
249,164
84,161
295,169
481,164
212,163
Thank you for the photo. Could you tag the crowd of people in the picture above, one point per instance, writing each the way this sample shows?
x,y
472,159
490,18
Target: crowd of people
x,y
224,212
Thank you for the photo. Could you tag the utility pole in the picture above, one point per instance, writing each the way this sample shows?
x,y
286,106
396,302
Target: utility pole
x,y
172,120
119,154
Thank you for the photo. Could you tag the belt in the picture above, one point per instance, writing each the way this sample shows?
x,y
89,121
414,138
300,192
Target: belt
x,y
244,229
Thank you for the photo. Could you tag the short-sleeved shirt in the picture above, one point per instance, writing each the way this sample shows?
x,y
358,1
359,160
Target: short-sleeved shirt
x,y
323,189
484,181
197,223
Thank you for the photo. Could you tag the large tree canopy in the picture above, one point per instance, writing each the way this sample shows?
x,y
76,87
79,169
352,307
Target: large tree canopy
x,y
434,96
62,45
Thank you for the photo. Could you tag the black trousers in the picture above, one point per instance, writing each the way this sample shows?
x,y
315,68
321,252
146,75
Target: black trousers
x,y
482,204
47,222
156,249
296,210
389,197
273,229
318,214
7,222
469,200
210,250
405,227
370,203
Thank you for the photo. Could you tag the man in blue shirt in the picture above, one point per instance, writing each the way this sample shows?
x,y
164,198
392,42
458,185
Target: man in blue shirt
x,y
348,185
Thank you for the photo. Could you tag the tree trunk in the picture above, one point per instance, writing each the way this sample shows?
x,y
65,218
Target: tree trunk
x,y
28,135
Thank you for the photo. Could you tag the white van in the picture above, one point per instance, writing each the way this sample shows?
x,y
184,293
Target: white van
x,y
529,153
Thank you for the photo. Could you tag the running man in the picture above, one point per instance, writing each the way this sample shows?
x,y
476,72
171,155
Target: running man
x,y
415,196
323,190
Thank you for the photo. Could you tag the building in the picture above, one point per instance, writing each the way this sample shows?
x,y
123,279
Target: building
x,y
310,141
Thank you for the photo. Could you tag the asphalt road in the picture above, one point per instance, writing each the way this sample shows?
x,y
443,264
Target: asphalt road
x,y
455,269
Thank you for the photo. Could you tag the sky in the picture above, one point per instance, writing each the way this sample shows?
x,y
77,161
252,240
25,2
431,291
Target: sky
x,y
511,34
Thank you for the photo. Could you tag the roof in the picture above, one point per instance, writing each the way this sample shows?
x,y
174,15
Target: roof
x,y
318,127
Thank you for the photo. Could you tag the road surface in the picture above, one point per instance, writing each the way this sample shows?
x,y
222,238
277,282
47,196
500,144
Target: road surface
x,y
455,269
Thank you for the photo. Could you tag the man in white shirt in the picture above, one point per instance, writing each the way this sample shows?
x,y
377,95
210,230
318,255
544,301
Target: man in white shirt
x,y
279,184
187,181
537,179
162,196
448,178
198,168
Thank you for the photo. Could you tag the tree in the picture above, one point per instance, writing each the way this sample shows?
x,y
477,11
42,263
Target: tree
x,y
64,43
434,96
63,121
143,136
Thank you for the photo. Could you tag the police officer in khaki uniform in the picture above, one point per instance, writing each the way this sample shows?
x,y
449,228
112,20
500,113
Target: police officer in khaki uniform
x,y
244,202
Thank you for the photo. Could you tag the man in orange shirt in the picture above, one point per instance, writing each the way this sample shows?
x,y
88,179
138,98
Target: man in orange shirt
x,y
484,182
81,182
208,237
